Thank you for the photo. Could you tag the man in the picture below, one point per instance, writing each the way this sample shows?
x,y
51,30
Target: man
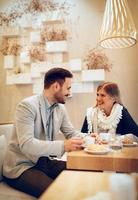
x,y
29,165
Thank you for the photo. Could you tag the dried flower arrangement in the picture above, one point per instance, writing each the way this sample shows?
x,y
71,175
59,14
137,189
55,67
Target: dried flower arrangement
x,y
54,34
10,48
37,53
96,59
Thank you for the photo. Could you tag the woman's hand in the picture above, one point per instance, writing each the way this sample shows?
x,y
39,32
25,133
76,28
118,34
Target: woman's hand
x,y
94,135
97,138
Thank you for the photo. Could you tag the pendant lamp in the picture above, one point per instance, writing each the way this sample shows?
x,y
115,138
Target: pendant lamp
x,y
118,28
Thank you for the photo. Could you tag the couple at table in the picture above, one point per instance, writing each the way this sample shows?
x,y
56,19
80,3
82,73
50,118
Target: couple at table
x,y
29,165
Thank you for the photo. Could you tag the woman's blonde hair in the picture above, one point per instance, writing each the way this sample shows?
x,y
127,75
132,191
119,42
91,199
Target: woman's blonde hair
x,y
112,90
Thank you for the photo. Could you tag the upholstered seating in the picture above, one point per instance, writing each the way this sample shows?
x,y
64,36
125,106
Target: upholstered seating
x,y
6,192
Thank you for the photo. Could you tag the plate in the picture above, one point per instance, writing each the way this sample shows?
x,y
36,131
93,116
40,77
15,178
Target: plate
x,y
107,150
131,145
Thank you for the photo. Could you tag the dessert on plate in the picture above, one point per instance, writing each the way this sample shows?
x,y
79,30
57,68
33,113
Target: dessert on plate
x,y
96,147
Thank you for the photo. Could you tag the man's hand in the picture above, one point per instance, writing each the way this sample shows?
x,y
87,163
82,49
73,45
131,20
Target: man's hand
x,y
73,144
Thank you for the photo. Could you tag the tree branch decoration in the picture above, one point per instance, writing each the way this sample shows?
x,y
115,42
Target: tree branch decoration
x,y
6,19
96,59
15,12
43,6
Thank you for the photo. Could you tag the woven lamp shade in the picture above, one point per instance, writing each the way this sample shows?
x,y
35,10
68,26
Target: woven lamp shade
x,y
118,29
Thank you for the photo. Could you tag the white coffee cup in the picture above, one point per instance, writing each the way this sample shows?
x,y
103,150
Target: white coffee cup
x,y
105,137
88,140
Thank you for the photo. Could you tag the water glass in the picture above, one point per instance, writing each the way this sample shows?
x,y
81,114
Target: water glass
x,y
116,143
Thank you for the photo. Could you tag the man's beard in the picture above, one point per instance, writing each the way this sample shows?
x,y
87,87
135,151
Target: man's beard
x,y
59,98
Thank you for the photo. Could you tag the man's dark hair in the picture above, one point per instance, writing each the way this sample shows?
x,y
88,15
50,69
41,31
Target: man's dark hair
x,y
56,74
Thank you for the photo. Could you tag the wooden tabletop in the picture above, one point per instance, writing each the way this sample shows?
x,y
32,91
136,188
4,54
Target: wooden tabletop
x,y
125,160
6,123
78,185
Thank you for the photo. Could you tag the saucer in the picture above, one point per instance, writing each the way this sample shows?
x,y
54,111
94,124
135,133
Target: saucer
x,y
131,144
97,152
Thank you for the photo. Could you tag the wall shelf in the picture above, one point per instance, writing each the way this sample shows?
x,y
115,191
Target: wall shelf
x,y
56,46
7,31
9,61
35,37
93,75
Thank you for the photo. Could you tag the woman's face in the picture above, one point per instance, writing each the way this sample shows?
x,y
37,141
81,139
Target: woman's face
x,y
104,101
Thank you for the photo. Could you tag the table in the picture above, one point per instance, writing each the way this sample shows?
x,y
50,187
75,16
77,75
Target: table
x,y
125,160
78,185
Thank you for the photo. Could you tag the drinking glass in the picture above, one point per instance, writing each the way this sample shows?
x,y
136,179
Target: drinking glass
x,y
116,143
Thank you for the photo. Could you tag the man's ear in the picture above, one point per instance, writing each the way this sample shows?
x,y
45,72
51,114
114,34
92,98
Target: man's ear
x,y
56,86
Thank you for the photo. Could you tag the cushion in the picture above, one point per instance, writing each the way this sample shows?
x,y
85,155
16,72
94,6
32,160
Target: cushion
x,y
6,129
2,152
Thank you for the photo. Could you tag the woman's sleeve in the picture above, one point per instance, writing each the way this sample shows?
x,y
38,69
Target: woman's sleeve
x,y
84,128
127,124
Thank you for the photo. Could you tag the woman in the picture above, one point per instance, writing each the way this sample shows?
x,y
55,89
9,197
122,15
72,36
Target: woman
x,y
109,115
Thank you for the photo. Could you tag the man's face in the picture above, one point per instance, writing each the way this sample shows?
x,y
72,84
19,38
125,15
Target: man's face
x,y
63,91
